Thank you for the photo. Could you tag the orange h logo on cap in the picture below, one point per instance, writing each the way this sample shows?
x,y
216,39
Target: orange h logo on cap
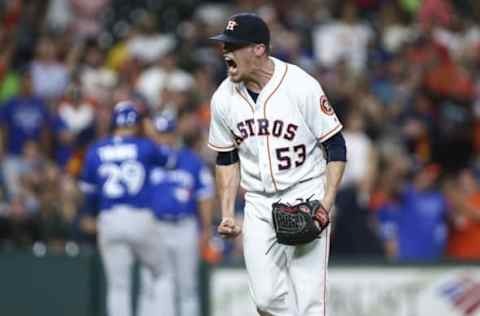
x,y
231,25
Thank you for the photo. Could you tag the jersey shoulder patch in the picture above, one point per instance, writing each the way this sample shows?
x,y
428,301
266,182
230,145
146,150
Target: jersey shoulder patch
x,y
325,105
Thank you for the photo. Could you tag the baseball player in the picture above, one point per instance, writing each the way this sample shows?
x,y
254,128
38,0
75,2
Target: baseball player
x,y
277,136
182,202
116,185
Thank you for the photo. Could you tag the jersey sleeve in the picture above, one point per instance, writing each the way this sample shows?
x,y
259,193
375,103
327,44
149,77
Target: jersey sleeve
x,y
89,186
319,114
220,137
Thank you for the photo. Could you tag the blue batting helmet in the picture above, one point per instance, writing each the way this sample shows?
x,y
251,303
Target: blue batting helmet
x,y
125,114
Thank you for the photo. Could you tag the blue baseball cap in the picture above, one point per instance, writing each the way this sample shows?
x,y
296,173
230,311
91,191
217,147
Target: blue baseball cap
x,y
165,123
125,114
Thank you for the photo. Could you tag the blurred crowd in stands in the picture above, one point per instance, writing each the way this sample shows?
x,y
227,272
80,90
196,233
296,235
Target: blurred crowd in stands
x,y
402,75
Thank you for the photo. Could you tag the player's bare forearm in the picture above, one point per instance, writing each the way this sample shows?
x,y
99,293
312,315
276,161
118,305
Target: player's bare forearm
x,y
206,214
335,171
228,181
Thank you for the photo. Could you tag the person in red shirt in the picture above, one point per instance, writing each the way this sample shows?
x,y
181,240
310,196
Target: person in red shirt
x,y
463,193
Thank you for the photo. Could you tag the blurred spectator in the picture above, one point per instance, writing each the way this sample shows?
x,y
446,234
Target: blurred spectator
x,y
287,41
417,127
433,12
73,127
59,15
52,222
97,81
70,197
119,53
354,231
12,10
8,78
147,45
344,39
164,84
31,173
461,37
24,206
463,193
27,30
23,118
87,21
362,172
453,142
49,76
395,33
20,226
413,224
444,78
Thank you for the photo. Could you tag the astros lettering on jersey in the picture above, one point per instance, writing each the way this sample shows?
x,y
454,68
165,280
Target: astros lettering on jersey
x,y
277,137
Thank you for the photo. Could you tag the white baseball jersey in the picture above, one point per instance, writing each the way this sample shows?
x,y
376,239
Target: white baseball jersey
x,y
277,136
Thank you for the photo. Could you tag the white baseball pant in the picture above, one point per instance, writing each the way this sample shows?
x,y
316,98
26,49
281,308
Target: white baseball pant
x,y
288,280
181,242
123,235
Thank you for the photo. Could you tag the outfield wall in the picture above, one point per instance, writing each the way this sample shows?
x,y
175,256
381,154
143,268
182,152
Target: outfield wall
x,y
371,290
74,285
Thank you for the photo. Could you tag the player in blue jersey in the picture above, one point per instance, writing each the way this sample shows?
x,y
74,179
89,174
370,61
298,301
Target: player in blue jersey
x,y
183,203
116,185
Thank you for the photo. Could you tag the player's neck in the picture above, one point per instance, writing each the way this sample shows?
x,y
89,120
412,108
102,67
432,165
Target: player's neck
x,y
125,132
261,76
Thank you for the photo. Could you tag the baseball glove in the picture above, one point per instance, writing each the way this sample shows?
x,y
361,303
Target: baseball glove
x,y
299,224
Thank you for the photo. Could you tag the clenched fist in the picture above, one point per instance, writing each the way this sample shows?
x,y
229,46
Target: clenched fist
x,y
228,228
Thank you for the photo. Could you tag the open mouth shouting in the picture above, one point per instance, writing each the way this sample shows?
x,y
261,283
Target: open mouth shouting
x,y
231,64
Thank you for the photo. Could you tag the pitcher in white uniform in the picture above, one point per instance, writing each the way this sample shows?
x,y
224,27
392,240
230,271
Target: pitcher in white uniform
x,y
277,136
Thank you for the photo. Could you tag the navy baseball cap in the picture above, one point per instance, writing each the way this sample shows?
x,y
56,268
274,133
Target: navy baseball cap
x,y
165,123
125,114
244,29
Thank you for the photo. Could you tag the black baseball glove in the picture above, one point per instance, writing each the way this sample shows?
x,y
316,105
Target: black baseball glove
x,y
300,223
